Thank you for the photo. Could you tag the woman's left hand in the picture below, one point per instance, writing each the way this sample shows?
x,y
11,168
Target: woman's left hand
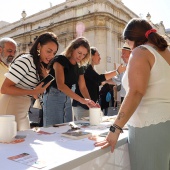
x,y
110,140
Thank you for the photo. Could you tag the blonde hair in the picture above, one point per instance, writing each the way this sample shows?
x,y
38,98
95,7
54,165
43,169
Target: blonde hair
x,y
76,43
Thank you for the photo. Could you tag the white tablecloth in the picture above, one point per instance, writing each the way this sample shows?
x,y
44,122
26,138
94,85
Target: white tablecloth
x,y
64,153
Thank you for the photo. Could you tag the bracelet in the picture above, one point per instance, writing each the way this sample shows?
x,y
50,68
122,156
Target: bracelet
x,y
117,72
118,127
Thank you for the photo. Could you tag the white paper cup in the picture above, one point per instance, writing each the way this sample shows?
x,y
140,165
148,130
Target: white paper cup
x,y
95,116
8,128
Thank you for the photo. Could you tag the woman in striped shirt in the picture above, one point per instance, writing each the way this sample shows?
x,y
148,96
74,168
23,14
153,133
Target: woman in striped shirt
x,y
24,74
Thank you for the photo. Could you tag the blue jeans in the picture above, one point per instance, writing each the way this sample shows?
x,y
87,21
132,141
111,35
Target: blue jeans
x,y
56,107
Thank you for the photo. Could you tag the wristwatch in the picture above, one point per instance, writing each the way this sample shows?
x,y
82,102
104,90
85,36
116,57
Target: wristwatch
x,y
112,129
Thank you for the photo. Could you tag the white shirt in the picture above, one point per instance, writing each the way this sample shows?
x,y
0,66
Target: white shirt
x,y
118,81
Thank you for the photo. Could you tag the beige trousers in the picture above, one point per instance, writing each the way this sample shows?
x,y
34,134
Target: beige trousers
x,y
18,106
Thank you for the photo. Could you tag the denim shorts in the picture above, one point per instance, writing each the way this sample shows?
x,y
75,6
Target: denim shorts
x,y
56,107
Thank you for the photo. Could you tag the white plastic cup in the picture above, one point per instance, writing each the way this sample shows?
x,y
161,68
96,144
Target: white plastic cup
x,y
95,116
8,129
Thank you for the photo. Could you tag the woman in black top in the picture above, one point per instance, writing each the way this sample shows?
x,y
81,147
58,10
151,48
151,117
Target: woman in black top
x,y
67,70
93,81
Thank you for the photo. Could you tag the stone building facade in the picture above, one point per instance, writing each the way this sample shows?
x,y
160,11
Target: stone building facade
x,y
104,21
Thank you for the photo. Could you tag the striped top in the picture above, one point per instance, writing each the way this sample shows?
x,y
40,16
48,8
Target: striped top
x,y
23,72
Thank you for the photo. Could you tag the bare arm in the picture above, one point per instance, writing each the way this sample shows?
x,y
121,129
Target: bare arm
x,y
83,88
138,78
8,87
138,74
112,74
59,75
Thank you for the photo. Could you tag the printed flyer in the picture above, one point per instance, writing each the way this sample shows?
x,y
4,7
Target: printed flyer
x,y
30,160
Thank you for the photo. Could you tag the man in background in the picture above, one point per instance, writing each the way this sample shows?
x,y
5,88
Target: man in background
x,y
7,52
126,51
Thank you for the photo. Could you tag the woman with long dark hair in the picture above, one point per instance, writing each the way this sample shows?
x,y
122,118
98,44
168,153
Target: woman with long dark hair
x,y
24,74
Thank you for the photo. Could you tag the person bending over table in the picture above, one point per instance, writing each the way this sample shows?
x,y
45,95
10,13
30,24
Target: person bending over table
x,y
24,73
67,70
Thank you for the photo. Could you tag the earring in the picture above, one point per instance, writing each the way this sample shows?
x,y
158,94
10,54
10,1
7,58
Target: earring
x,y
38,52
